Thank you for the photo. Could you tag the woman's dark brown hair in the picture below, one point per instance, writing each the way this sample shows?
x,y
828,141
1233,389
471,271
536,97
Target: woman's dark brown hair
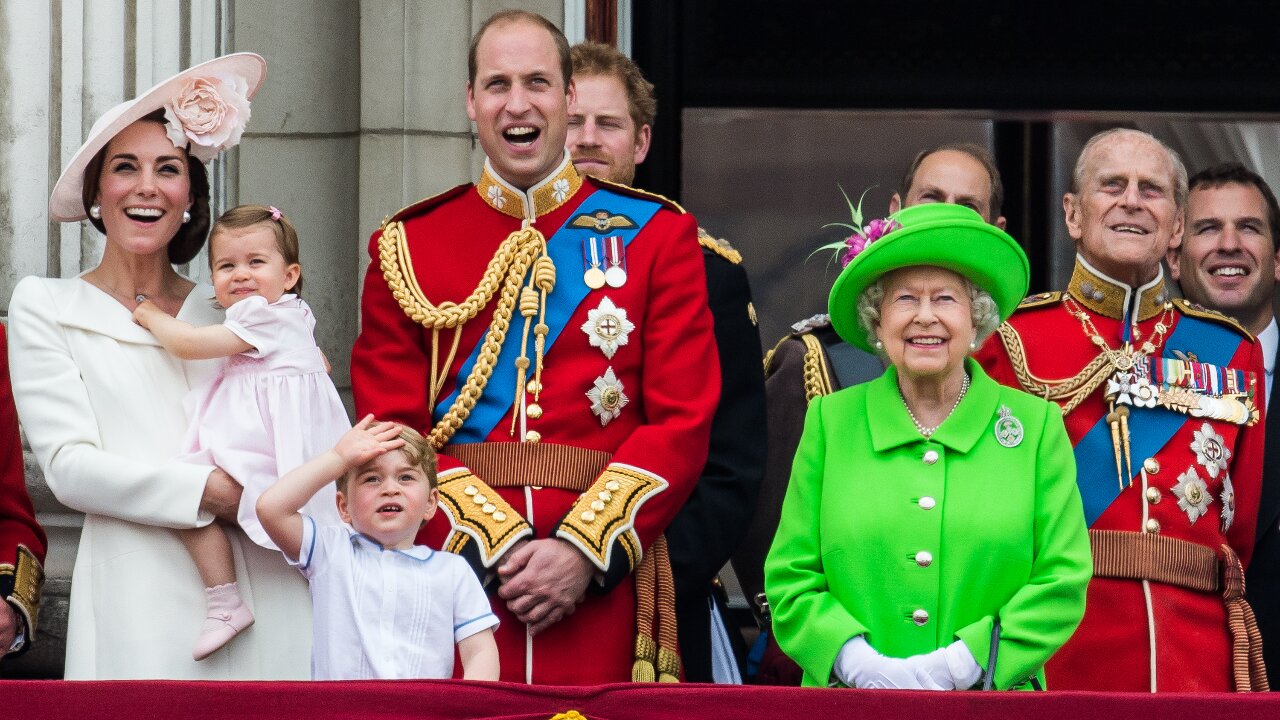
x,y
186,243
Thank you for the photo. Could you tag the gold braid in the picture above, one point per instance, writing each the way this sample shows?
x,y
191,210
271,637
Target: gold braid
x,y
507,269
817,379
1072,390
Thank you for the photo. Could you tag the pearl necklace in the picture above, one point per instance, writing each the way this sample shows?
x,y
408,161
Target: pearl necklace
x,y
929,431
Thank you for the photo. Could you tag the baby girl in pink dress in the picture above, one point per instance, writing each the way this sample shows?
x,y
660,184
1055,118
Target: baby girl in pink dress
x,y
271,408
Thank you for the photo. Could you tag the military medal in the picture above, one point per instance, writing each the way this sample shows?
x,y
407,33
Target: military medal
x,y
607,397
607,327
1193,494
1008,428
615,255
1228,504
592,275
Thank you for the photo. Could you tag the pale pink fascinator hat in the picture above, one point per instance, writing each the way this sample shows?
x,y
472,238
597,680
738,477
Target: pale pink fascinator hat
x,y
205,107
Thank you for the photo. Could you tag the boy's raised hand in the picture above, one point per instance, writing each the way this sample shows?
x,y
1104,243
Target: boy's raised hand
x,y
367,440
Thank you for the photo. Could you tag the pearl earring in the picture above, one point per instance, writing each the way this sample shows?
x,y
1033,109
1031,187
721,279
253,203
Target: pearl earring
x,y
879,345
95,211
973,345
186,217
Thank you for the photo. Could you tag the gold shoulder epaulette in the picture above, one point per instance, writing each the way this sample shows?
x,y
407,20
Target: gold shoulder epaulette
x,y
426,203
1040,299
719,246
637,192
1200,311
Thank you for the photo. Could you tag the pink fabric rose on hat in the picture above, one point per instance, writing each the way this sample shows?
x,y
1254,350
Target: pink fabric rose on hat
x,y
208,115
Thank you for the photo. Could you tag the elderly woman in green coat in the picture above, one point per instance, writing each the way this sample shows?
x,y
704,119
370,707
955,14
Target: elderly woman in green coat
x,y
932,531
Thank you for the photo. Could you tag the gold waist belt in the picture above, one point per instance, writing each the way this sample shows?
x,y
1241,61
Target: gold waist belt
x,y
514,464
1139,556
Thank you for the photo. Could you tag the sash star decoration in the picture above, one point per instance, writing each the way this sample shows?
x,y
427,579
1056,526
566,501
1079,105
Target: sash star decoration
x,y
1193,495
1228,503
1210,452
607,397
607,327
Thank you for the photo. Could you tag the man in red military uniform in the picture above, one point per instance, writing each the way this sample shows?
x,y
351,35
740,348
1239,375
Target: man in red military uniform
x,y
22,540
1163,402
550,333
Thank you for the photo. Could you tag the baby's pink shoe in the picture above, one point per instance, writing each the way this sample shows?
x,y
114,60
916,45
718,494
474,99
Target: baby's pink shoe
x,y
227,616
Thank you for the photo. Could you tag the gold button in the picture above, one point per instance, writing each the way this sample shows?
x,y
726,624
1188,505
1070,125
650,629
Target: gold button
x,y
930,457
597,506
479,499
488,508
1151,465
470,490
927,502
613,486
1153,526
533,411
1194,495
532,436
605,495
588,516
1153,495
924,558
533,386
920,617
499,516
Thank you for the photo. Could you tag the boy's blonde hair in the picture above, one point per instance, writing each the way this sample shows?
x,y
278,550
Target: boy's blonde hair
x,y
417,450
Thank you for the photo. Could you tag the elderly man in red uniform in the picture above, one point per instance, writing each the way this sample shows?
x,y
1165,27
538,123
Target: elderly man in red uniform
x,y
22,540
550,333
1163,402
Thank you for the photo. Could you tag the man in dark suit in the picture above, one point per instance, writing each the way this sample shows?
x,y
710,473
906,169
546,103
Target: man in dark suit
x,y
610,124
1228,261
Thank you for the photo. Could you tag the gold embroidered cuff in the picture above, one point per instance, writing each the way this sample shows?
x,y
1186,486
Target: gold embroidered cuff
x,y
477,513
21,586
606,514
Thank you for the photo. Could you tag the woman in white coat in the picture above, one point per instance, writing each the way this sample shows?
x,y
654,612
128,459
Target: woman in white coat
x,y
101,400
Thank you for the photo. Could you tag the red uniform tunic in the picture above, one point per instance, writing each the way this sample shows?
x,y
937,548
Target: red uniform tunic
x,y
655,444
22,540
1146,635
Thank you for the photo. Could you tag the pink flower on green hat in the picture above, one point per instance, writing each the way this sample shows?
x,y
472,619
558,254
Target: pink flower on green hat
x,y
208,115
860,239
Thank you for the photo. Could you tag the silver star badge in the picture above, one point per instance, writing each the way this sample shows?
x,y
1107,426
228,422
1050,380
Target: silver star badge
x,y
1228,503
607,327
607,397
1193,495
1210,450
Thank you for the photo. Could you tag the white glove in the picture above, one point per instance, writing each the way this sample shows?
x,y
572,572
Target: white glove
x,y
859,665
946,668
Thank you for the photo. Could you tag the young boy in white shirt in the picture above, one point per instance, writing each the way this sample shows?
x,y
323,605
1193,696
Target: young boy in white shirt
x,y
382,607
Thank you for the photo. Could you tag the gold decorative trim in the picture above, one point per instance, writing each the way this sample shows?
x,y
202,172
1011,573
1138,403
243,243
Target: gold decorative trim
x,y
1068,392
477,512
1204,313
719,246
543,464
1107,297
637,192
1040,300
523,252
606,513
817,376
22,585
547,195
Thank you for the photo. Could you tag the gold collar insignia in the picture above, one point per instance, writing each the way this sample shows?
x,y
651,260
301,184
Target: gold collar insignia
x,y
547,195
1110,297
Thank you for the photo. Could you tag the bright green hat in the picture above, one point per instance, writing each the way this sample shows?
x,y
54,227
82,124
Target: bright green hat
x,y
938,234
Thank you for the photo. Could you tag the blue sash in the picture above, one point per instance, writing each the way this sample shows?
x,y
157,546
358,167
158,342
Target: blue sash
x,y
565,249
1149,428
